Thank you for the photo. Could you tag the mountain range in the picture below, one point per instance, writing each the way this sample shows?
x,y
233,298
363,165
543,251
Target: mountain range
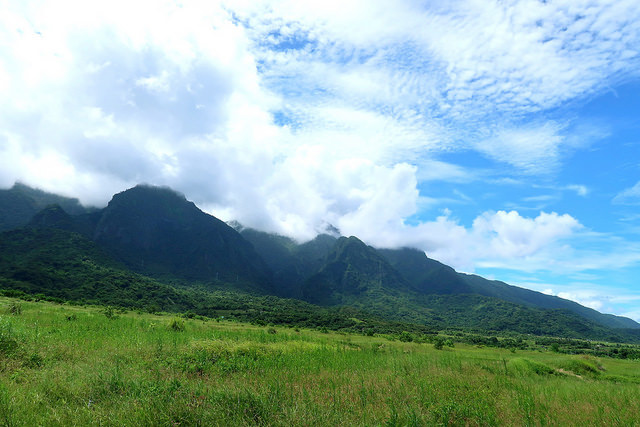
x,y
153,240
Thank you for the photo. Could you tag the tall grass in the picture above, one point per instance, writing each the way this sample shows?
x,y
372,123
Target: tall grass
x,y
62,365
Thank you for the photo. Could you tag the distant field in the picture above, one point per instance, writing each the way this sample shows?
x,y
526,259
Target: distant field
x,y
66,365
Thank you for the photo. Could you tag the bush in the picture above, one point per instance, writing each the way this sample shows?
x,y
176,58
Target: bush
x,y
272,331
177,325
438,343
581,367
405,336
15,309
109,312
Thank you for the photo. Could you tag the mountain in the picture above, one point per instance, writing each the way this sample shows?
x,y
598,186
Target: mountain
x,y
432,277
290,262
60,265
156,231
427,276
155,236
351,271
406,286
21,202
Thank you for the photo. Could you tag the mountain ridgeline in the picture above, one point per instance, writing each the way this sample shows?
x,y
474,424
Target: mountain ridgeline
x,y
153,240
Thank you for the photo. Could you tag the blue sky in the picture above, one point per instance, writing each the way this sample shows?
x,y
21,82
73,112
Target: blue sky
x,y
499,137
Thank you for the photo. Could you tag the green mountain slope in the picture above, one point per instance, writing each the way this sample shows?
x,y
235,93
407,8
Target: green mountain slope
x,y
501,290
352,271
291,263
431,277
427,276
66,266
156,231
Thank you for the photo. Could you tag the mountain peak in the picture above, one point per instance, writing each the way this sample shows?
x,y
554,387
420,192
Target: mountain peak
x,y
53,216
145,194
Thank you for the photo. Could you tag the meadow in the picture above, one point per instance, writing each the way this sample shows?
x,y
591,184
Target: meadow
x,y
71,365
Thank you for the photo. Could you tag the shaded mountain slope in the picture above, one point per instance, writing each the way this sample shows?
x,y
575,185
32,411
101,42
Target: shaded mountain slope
x,y
21,202
353,270
291,263
427,276
156,231
432,277
501,290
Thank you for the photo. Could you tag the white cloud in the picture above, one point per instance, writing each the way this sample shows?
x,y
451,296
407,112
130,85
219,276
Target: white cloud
x,y
159,83
584,298
494,239
530,149
580,190
629,196
513,235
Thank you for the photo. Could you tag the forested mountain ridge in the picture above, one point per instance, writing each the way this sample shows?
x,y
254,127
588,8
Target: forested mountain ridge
x,y
20,203
156,232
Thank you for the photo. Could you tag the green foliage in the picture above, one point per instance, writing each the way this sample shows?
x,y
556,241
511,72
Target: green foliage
x,y
109,313
438,343
524,366
15,309
177,325
405,336
582,366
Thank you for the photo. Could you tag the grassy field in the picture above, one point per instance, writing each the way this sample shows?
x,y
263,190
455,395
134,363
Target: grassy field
x,y
66,365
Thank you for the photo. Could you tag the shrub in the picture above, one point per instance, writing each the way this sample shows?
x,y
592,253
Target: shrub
x,y
405,337
272,331
581,367
15,309
438,343
109,312
177,325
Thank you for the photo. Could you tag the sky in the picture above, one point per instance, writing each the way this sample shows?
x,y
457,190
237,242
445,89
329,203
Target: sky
x,y
501,137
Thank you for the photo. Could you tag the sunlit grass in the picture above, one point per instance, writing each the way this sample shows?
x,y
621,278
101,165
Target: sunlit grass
x,y
70,365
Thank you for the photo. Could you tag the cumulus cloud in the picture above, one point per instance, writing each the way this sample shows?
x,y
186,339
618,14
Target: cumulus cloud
x,y
495,238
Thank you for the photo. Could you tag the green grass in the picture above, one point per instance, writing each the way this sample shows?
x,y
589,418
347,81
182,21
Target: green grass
x,y
67,365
